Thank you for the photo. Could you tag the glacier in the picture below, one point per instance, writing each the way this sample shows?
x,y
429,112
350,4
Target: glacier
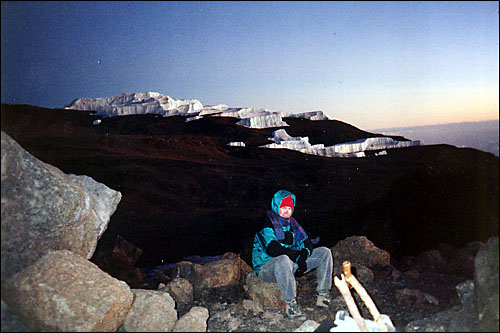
x,y
358,148
137,103
166,106
236,144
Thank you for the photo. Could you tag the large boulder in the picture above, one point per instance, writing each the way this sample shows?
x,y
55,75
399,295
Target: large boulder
x,y
218,273
64,292
44,209
228,270
359,251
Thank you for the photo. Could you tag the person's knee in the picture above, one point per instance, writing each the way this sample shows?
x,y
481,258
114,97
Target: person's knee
x,y
284,260
325,252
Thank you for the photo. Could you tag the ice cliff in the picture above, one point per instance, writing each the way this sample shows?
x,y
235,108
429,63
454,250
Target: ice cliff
x,y
192,109
154,102
137,103
358,148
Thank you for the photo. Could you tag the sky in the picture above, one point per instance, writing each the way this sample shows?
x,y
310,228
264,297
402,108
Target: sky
x,y
370,64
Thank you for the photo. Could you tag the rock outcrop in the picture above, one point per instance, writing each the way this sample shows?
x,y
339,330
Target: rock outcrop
x,y
44,209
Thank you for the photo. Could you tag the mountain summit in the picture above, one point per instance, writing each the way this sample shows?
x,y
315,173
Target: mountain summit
x,y
137,103
156,103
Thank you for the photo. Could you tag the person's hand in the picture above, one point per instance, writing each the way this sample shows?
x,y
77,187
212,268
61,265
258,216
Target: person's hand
x,y
301,261
293,255
304,253
302,266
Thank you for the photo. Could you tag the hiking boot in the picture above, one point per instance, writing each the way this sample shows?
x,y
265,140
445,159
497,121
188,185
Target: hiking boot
x,y
292,311
323,301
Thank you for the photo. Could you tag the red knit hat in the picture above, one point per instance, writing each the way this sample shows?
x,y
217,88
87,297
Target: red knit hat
x,y
287,201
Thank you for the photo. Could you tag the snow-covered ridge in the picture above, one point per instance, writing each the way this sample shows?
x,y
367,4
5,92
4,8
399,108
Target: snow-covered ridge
x,y
137,103
282,140
156,103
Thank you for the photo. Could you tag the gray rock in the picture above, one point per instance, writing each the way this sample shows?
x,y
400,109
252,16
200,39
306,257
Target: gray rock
x,y
465,290
11,322
450,320
412,296
181,291
486,283
252,307
362,273
65,292
193,321
44,209
151,311
307,326
264,293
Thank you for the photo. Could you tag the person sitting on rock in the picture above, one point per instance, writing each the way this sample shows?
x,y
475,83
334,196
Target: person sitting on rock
x,y
282,251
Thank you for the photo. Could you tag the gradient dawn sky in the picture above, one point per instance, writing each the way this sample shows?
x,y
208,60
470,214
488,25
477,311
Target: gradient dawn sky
x,y
370,64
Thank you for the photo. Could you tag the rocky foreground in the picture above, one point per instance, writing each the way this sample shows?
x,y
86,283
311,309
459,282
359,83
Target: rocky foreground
x,y
225,296
422,295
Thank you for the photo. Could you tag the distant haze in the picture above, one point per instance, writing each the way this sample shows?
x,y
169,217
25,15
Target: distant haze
x,y
479,135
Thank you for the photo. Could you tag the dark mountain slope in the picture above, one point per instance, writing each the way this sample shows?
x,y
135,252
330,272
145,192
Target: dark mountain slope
x,y
185,192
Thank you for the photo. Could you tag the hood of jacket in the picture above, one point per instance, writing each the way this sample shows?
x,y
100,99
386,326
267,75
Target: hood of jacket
x,y
278,197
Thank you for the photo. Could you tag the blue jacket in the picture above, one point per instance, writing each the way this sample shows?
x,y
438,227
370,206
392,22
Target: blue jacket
x,y
266,245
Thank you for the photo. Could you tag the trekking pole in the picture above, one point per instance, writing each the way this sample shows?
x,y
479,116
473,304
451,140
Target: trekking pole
x,y
351,279
343,287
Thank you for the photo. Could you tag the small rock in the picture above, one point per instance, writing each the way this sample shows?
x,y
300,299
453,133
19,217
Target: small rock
x,y
193,321
233,324
307,326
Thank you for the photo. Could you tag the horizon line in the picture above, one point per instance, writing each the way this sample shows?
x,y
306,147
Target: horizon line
x,y
438,124
367,129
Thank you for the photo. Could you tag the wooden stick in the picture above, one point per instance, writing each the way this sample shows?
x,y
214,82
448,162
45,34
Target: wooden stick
x,y
353,281
343,287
